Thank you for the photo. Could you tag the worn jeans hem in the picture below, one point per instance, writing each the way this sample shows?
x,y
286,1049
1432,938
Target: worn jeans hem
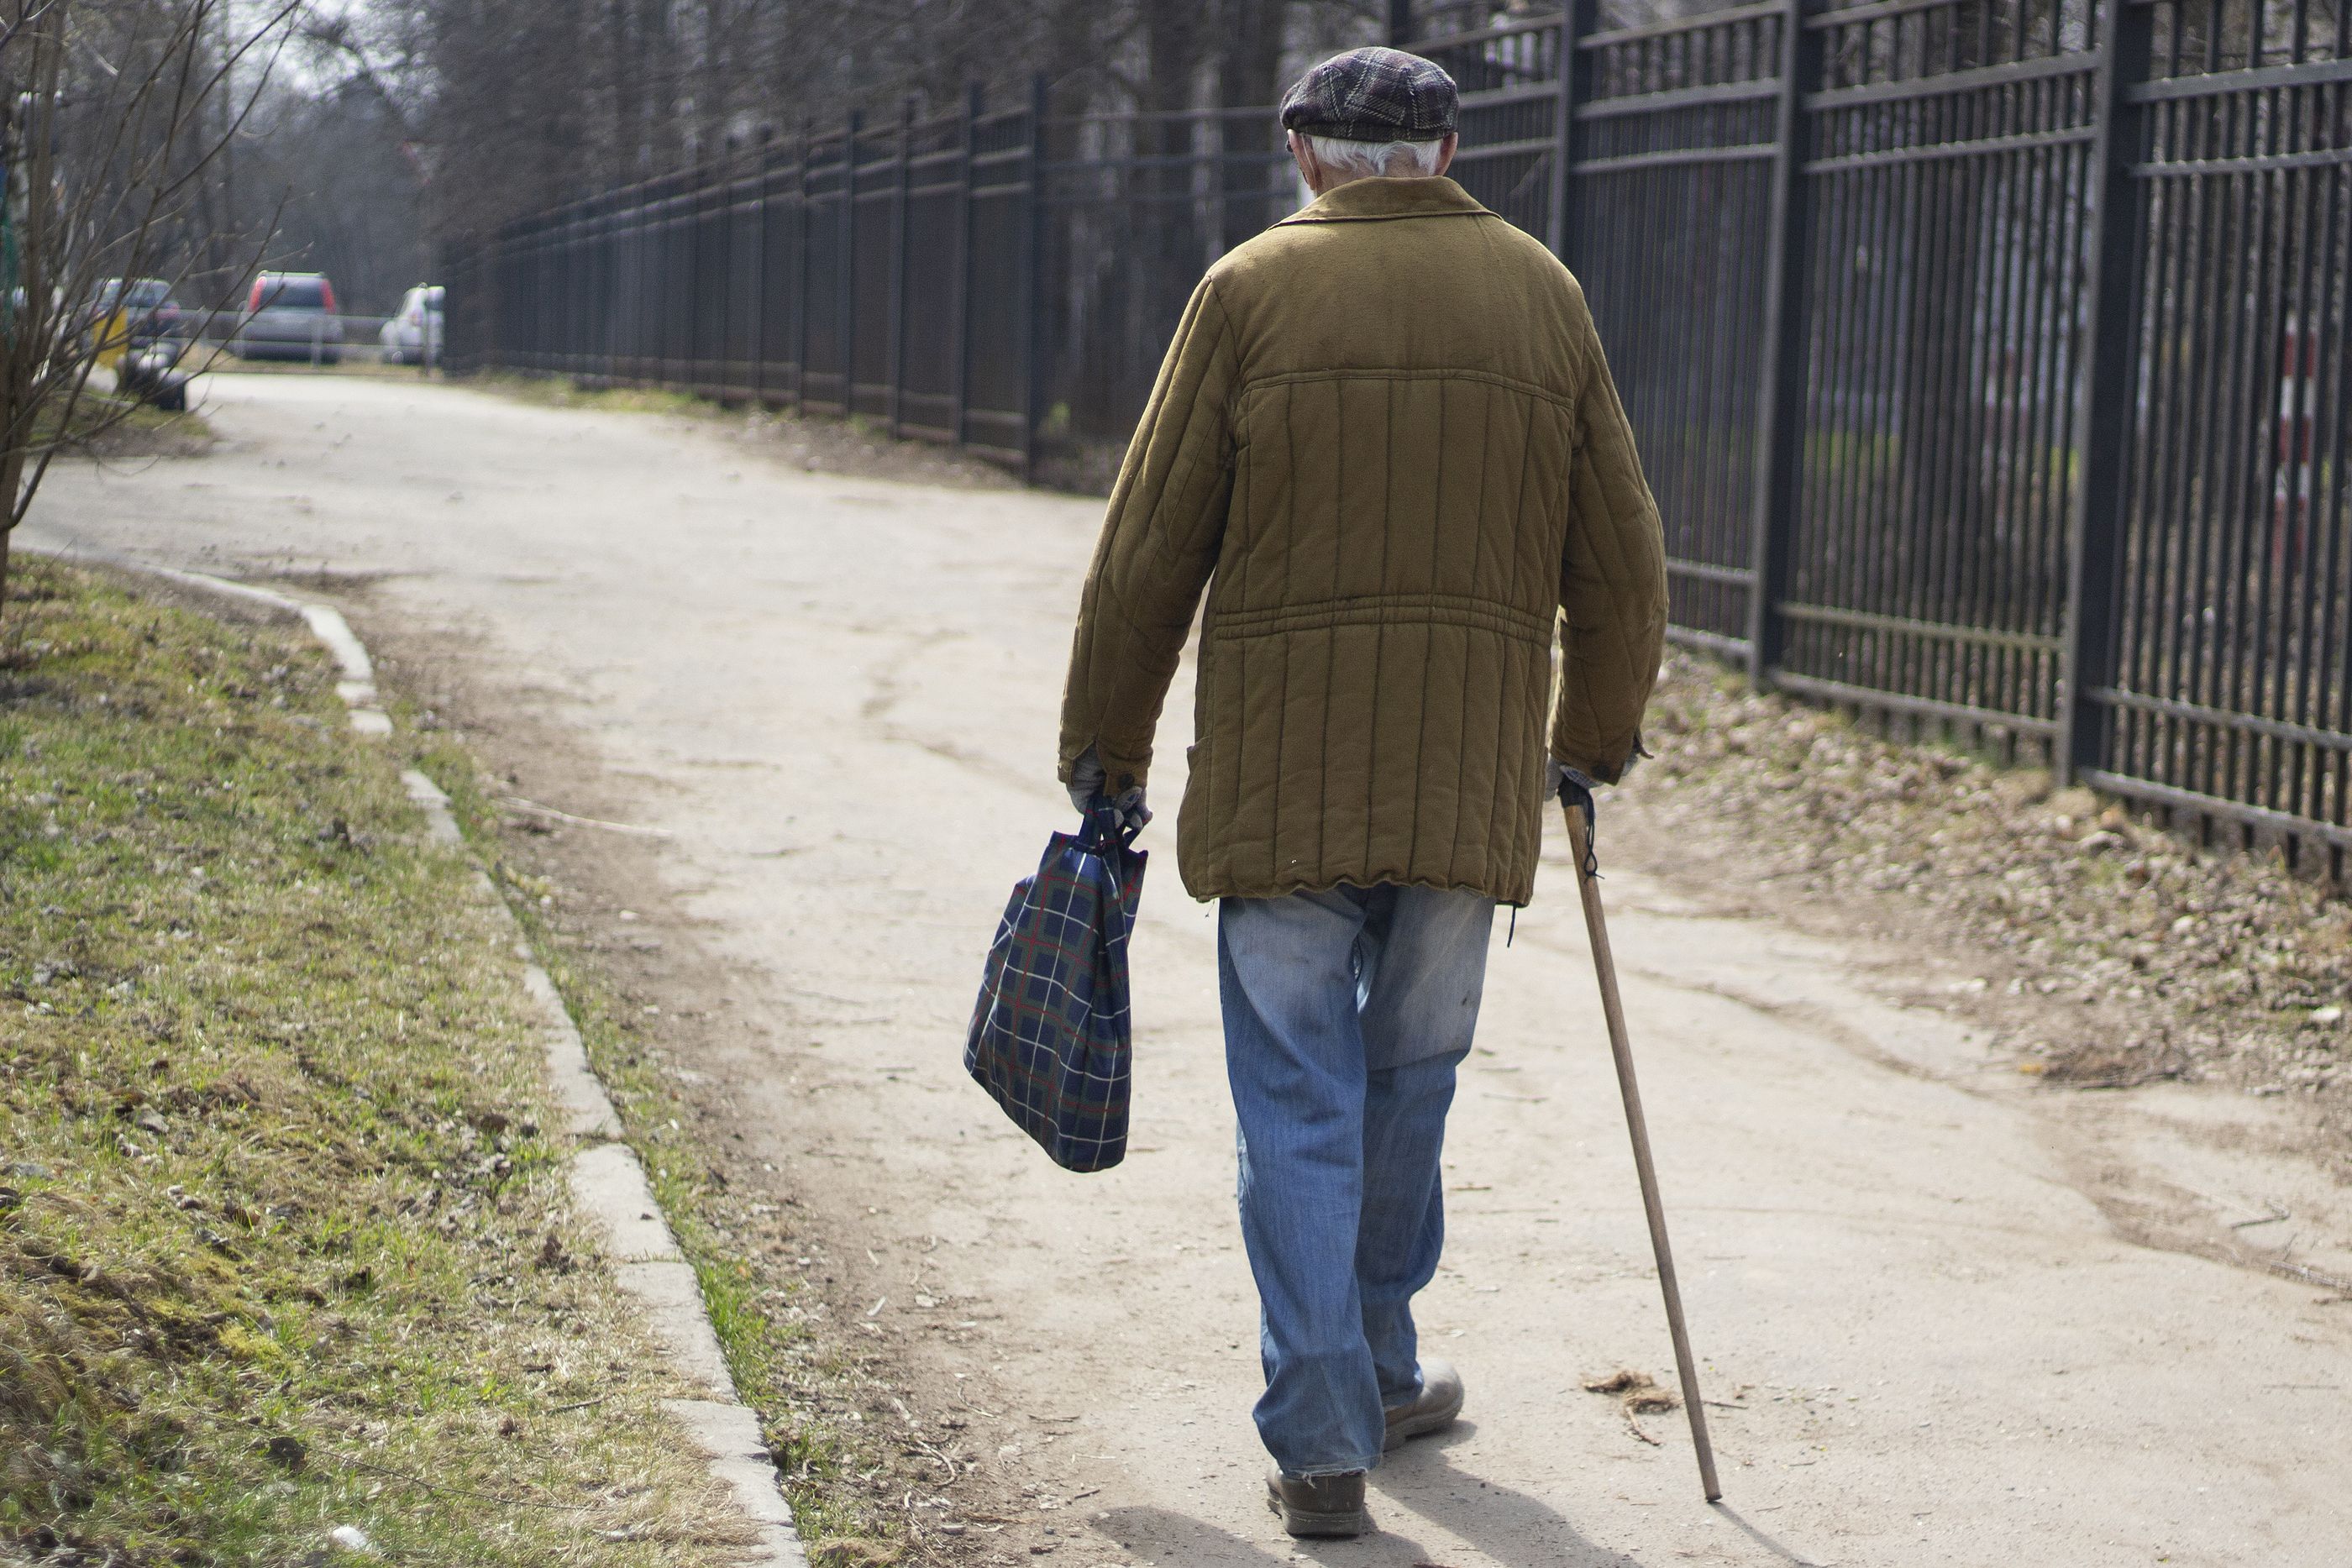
x,y
1325,1472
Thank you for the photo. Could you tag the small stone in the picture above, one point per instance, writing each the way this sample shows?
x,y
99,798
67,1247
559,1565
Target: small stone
x,y
351,1538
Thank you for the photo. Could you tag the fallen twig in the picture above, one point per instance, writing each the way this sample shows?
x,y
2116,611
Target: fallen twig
x,y
2309,1275
534,808
931,1452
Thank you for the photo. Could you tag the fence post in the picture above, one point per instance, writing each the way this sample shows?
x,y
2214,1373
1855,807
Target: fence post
x,y
755,349
1399,24
1577,21
844,290
801,268
686,222
972,103
900,202
1781,410
2104,391
1033,396
720,217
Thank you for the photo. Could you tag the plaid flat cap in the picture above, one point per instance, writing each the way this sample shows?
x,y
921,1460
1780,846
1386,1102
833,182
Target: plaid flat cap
x,y
1372,95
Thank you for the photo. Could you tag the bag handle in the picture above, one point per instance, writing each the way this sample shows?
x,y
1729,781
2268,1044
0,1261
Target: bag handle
x,y
1105,826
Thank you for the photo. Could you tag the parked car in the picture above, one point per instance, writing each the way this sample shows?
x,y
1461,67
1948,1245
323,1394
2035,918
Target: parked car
x,y
413,335
290,316
148,309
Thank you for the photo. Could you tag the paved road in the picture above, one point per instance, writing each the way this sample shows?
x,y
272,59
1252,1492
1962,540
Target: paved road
x,y
1934,1344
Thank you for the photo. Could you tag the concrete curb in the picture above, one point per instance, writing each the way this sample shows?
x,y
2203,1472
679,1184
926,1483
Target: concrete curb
x,y
608,1183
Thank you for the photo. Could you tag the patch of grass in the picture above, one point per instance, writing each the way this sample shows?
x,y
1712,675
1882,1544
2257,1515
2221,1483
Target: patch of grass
x,y
356,359
563,392
778,1367
145,432
108,427
813,442
283,1246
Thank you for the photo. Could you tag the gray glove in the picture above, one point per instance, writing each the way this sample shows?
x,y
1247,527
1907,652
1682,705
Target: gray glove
x,y
1572,788
1086,787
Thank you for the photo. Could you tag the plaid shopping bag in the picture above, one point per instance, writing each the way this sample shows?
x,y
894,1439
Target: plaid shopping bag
x,y
1049,1034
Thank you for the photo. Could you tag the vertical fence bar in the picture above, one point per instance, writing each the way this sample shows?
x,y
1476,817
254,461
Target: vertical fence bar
x,y
899,200
755,346
844,291
973,102
1577,21
1781,408
712,356
802,305
1399,24
2105,390
1033,395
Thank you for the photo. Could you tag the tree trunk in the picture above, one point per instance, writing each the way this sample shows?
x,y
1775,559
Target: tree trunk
x,y
12,479
1172,259
1249,65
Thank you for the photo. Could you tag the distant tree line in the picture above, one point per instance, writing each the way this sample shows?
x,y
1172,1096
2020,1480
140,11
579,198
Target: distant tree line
x,y
518,105
414,121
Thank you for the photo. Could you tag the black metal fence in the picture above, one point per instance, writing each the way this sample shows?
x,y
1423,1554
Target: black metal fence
x,y
907,272
1989,358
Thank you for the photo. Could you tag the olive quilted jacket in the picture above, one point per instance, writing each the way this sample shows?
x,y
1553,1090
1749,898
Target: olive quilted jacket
x,y
1387,443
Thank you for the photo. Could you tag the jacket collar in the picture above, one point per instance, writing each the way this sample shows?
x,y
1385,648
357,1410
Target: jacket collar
x,y
1361,201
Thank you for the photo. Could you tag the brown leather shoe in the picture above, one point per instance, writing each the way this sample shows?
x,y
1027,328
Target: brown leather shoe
x,y
1432,1410
1318,1505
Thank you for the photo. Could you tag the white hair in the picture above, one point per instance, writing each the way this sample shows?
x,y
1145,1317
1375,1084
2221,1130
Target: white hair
x,y
1371,159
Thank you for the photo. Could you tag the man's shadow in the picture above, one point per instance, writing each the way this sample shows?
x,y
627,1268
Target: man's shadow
x,y
1479,1512
1502,1525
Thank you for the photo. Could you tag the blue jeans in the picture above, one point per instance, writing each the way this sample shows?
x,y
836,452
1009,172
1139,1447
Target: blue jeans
x,y
1346,1013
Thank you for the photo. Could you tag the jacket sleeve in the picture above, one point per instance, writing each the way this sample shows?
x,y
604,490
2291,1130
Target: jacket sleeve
x,y
1159,544
1612,585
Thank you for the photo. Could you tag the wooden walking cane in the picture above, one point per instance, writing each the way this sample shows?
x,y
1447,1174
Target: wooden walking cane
x,y
1579,843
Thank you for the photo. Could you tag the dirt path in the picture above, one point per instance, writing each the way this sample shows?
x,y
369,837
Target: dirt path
x,y
1919,1284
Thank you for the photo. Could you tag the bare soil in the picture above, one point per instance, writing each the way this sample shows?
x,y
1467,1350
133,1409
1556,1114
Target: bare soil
x,y
889,1462
2108,950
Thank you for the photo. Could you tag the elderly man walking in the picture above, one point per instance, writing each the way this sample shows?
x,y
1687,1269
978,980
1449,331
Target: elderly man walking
x,y
1386,444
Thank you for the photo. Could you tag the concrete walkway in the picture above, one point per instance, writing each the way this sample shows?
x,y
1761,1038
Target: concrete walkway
x,y
1932,1341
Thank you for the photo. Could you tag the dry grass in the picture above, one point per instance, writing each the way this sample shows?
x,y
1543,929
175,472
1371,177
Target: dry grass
x,y
815,444
283,1246
356,359
2174,961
